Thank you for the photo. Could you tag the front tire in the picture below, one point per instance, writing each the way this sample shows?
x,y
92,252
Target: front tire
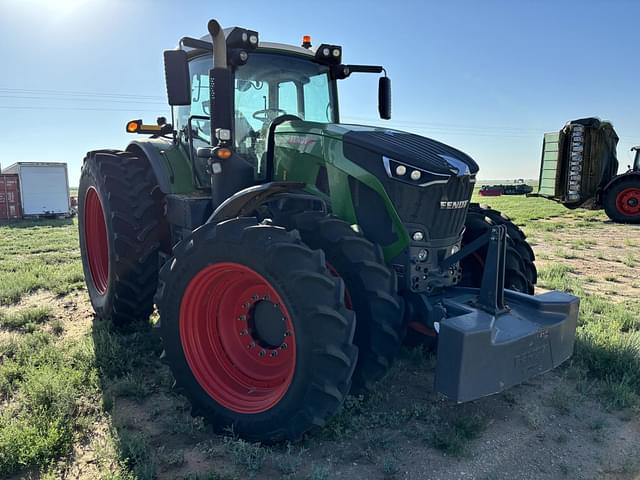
x,y
371,291
121,226
520,270
622,200
255,330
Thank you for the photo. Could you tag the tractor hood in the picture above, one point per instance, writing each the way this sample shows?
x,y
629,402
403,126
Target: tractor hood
x,y
411,149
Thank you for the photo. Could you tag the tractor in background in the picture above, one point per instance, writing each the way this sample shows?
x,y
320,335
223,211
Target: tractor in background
x,y
579,169
288,253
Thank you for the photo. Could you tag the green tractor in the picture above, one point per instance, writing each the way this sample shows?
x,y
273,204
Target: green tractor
x,y
579,169
288,254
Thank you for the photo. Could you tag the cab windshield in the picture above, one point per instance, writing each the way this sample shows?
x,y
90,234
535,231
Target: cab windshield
x,y
267,86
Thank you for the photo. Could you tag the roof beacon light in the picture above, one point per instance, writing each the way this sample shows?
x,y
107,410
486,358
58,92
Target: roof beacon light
x,y
306,41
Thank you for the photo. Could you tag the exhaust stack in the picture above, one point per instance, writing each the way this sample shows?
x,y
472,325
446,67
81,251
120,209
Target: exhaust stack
x,y
220,84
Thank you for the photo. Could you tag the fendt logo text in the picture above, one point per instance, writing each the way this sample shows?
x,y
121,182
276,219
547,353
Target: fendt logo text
x,y
454,204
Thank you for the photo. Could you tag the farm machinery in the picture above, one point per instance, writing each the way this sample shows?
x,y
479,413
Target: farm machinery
x,y
288,253
579,169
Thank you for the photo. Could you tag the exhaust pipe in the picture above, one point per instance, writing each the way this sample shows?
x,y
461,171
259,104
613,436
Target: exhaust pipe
x,y
220,84
219,44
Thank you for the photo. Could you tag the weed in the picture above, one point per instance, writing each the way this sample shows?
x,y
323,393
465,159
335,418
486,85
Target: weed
x,y
26,319
533,417
247,455
174,458
320,472
57,327
629,260
130,385
561,400
568,254
291,461
556,277
136,453
390,467
453,437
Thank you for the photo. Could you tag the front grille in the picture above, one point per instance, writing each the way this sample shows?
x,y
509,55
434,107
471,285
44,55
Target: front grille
x,y
421,205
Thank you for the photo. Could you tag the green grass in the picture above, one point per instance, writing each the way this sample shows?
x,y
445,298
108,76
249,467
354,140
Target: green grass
x,y
25,319
38,255
453,437
54,389
45,384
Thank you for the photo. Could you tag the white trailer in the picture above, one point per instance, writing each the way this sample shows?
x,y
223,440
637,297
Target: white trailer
x,y
44,188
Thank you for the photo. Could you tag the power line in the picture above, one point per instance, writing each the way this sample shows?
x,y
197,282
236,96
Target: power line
x,y
97,109
101,100
79,93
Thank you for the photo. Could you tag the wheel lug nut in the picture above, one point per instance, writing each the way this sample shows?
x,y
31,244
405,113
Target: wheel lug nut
x,y
255,297
243,332
284,346
274,353
251,345
286,334
262,353
242,318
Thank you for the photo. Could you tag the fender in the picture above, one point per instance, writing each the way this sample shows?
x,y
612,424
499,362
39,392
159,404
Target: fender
x,y
169,164
618,177
246,201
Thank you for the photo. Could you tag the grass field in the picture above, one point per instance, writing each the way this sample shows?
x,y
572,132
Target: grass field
x,y
80,399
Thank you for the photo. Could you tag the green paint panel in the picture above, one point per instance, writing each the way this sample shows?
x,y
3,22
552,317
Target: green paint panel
x,y
550,156
552,137
551,147
176,161
303,148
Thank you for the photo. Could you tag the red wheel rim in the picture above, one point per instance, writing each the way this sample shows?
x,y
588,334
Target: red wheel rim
x,y
628,201
95,235
220,344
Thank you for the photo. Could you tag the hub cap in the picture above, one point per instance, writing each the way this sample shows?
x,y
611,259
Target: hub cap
x,y
95,234
237,337
628,201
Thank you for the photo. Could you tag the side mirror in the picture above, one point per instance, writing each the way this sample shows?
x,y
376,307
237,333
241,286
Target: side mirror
x,y
176,71
384,98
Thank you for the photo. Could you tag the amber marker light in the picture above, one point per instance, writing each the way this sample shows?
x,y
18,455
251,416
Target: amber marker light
x,y
223,153
133,126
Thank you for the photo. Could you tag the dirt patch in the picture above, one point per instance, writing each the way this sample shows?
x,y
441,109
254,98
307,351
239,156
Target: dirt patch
x,y
606,260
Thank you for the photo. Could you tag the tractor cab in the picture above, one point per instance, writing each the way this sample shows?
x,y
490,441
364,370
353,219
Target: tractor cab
x,y
230,92
275,80
636,160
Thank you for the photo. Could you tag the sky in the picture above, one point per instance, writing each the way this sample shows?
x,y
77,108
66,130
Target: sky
x,y
487,77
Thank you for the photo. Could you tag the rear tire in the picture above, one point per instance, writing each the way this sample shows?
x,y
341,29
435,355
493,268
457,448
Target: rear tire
x,y
121,223
622,200
211,332
371,290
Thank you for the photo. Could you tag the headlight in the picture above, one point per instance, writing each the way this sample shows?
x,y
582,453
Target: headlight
x,y
418,177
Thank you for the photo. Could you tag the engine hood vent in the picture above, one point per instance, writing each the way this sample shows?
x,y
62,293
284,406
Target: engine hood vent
x,y
421,152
